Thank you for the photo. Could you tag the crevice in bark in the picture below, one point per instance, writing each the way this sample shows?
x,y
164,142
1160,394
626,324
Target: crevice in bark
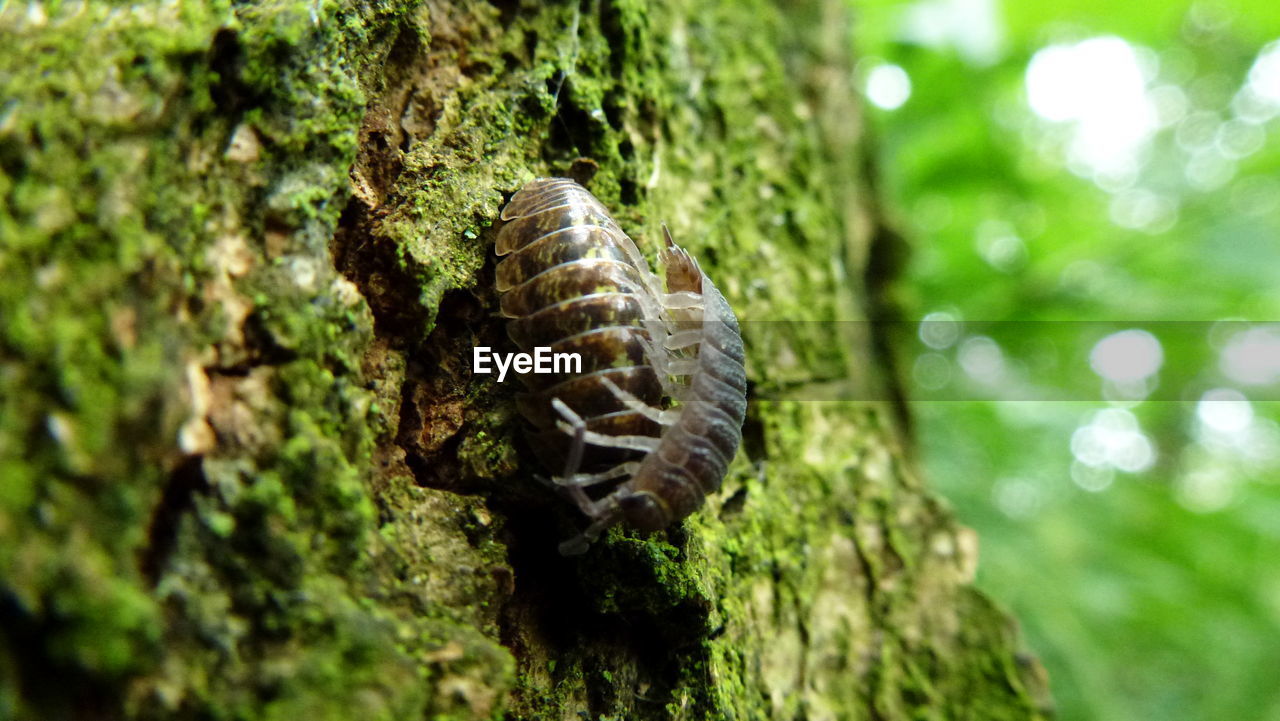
x,y
177,498
60,689
612,29
435,407
887,257
572,133
633,658
753,431
230,94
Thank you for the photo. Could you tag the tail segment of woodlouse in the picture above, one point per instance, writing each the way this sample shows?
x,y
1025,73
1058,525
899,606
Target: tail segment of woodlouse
x,y
656,414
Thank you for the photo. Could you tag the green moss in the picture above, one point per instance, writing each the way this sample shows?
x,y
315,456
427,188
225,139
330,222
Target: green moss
x,y
146,270
205,509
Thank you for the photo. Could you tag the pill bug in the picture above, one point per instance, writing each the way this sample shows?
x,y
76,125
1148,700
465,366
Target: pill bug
x,y
655,415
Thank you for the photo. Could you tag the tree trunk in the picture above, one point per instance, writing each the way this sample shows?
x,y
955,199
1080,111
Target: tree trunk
x,y
246,470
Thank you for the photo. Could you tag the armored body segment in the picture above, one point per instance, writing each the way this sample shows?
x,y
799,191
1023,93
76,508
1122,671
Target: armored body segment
x,y
655,416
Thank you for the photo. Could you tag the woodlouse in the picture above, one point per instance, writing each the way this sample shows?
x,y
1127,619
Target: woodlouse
x,y
657,410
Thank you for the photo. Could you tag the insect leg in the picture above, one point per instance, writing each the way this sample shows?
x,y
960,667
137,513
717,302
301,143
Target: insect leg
x,y
578,429
666,418
682,300
574,426
658,355
682,367
578,544
602,513
590,479
683,339
633,443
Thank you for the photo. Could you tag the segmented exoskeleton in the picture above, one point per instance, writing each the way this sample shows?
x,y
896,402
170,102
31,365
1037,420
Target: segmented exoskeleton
x,y
659,405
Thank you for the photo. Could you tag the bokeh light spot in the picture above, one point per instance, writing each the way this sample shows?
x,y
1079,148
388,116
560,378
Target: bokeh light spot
x,y
888,86
939,330
1113,439
1252,356
1225,410
982,359
1099,85
1127,357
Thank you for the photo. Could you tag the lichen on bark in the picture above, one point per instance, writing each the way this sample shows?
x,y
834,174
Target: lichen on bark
x,y
247,472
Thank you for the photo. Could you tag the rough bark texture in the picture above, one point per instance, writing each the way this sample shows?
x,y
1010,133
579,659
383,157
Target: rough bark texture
x,y
246,471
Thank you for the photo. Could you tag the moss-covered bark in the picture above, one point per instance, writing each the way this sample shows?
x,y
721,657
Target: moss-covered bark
x,y
245,471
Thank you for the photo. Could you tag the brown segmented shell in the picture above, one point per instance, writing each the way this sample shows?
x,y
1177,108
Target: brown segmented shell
x,y
575,279
571,317
655,425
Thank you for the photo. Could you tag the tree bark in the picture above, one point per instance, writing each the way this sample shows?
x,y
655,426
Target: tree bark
x,y
246,470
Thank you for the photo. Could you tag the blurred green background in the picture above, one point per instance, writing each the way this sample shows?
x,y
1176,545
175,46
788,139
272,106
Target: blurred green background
x,y
1107,175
